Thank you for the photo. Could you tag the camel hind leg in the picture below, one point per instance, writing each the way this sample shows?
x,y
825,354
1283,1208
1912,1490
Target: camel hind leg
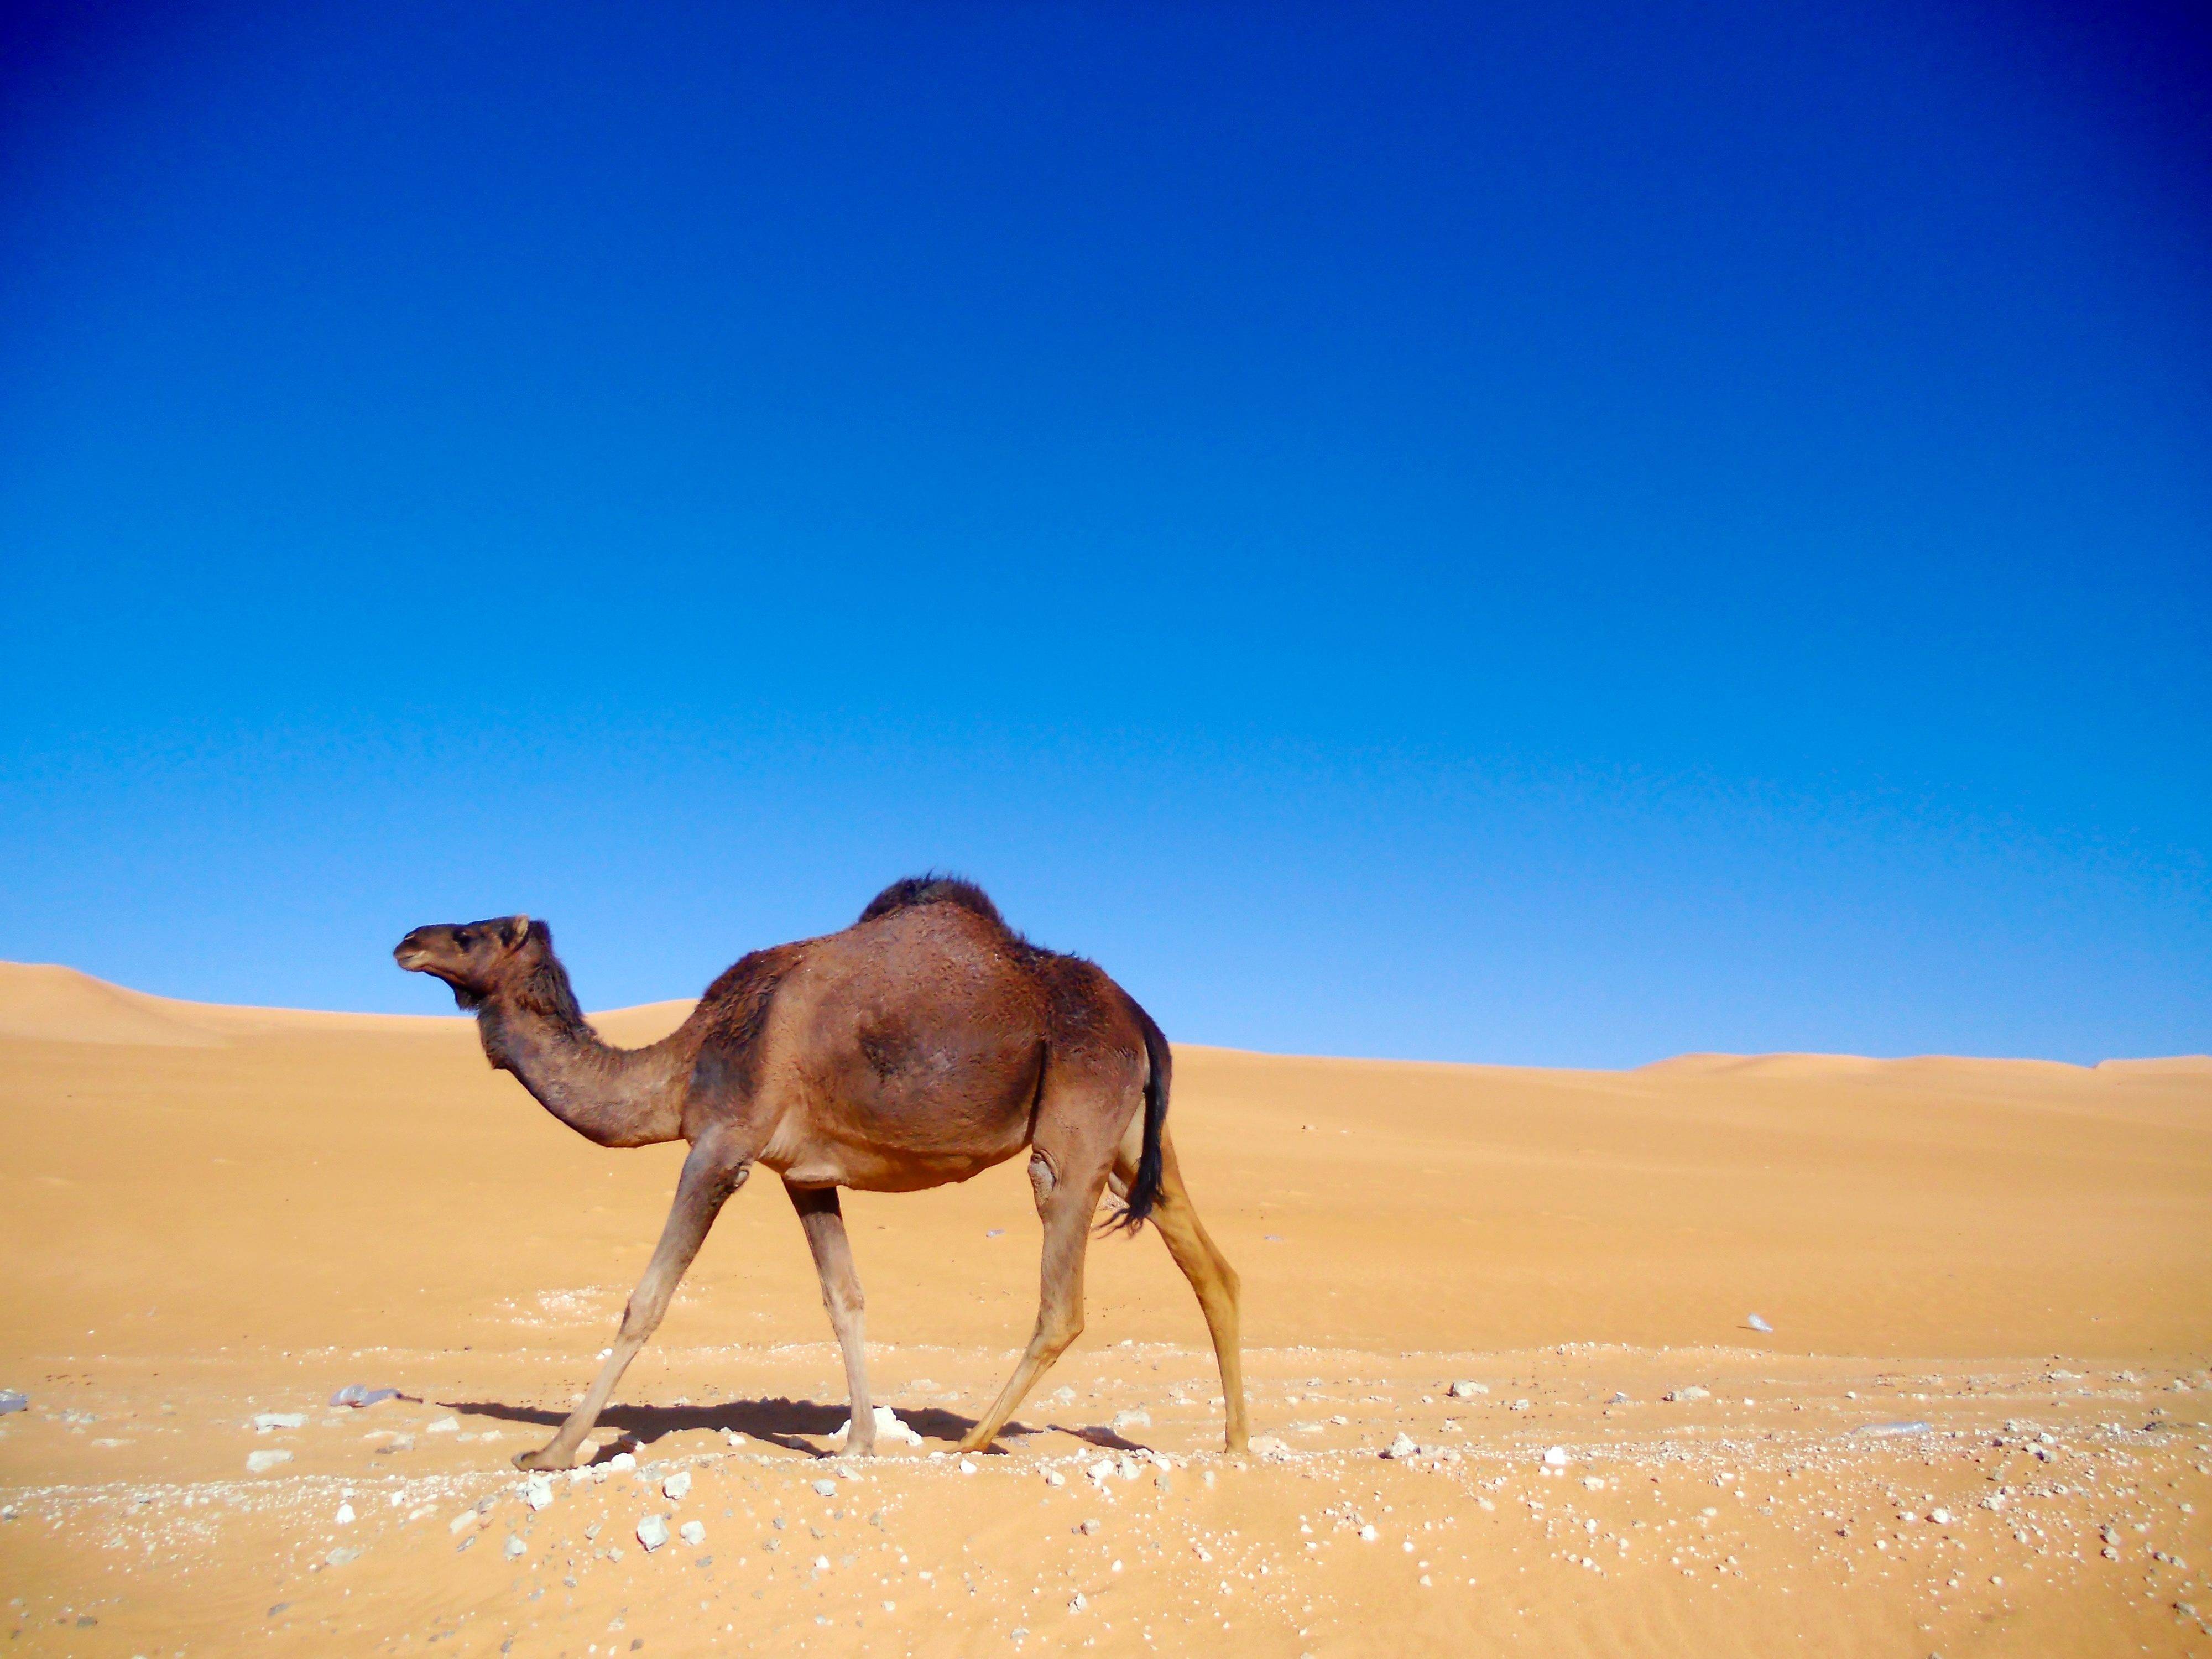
x,y
1203,1265
1066,1199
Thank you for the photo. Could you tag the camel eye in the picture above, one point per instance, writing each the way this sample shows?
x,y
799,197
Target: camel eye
x,y
461,938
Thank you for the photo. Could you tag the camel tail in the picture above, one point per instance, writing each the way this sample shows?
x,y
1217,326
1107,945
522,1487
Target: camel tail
x,y
1144,1190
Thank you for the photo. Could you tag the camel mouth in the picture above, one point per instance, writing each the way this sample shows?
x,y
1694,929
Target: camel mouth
x,y
413,957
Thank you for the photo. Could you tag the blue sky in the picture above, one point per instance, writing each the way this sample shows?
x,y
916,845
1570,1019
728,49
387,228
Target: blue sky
x,y
1562,540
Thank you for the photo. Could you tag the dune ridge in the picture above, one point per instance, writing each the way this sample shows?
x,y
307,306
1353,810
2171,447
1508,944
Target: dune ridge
x,y
49,1002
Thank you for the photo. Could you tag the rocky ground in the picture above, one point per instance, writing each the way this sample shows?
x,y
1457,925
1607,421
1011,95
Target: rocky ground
x,y
1561,1501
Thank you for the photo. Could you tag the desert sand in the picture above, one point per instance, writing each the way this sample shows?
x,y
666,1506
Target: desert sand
x,y
1978,1425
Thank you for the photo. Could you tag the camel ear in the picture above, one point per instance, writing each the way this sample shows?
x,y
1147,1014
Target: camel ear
x,y
517,929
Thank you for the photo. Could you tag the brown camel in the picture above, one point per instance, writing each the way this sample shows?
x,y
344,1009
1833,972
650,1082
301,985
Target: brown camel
x,y
922,1045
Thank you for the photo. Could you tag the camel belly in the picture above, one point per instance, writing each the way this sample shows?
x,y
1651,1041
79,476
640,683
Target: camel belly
x,y
903,1134
867,1170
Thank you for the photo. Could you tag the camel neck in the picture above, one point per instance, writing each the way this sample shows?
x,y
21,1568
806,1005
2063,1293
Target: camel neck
x,y
615,1096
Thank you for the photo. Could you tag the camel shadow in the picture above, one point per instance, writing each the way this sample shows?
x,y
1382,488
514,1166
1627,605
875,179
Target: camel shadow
x,y
794,1425
1105,1437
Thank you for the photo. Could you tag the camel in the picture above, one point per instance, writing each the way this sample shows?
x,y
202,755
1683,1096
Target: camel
x,y
922,1045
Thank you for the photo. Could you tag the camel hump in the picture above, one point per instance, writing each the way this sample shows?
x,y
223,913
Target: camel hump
x,y
932,889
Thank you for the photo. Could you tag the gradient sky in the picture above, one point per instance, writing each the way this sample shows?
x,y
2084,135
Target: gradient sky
x,y
1562,538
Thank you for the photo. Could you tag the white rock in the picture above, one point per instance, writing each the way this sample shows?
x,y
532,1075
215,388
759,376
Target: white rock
x,y
257,1462
1693,1392
692,1533
1127,1422
1368,1535
1468,1389
1759,1324
1054,1478
1518,1405
620,1464
1940,1517
465,1520
344,1516
1268,1445
1089,1529
1593,1483
263,1422
1555,1457
678,1487
821,1564
1101,1469
652,1532
889,1426
967,1466
339,1558
1403,1447
515,1546
1126,1468
443,1425
1076,1603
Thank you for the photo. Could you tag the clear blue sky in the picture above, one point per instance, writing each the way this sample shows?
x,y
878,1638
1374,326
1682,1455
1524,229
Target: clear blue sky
x,y
1562,538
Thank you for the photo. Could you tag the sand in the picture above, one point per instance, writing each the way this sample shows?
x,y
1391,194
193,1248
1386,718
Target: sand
x,y
214,1213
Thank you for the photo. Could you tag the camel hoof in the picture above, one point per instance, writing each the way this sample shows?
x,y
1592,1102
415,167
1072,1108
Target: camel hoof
x,y
544,1458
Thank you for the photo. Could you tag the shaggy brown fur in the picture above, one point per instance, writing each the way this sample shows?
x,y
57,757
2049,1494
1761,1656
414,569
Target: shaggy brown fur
x,y
919,1046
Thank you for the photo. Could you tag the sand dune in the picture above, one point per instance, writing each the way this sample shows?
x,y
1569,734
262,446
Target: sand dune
x,y
50,1004
218,1211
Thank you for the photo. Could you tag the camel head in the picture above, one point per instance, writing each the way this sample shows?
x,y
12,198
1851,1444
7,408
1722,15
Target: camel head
x,y
478,959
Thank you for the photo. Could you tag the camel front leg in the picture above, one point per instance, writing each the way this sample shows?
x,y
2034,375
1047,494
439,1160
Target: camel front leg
x,y
824,1217
715,1169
